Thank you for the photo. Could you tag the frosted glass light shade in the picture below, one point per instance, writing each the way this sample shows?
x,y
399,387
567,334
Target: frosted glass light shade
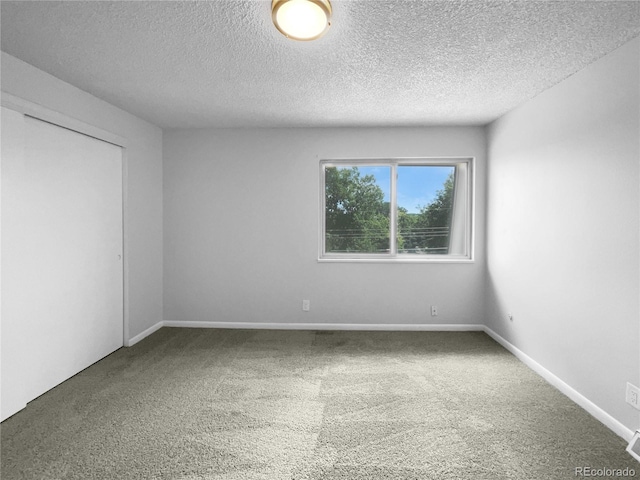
x,y
301,19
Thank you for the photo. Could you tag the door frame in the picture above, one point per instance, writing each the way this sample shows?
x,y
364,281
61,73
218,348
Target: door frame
x,y
45,114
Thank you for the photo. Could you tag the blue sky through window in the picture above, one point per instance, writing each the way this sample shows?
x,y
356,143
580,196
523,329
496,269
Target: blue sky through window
x,y
382,175
417,184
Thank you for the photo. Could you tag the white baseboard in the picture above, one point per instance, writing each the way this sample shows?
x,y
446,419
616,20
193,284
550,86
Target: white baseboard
x,y
141,336
329,326
602,416
8,412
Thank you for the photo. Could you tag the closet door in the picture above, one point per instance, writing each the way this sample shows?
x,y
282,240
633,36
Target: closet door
x,y
62,250
12,391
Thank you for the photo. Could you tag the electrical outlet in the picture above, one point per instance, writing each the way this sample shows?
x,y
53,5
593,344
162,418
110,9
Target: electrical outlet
x,y
633,395
306,305
434,311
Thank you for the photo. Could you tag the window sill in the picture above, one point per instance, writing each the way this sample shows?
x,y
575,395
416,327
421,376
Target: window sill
x,y
395,260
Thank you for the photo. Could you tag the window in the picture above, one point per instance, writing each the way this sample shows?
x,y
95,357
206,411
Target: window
x,y
396,210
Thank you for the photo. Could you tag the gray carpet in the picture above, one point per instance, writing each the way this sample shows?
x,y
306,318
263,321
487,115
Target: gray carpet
x,y
259,404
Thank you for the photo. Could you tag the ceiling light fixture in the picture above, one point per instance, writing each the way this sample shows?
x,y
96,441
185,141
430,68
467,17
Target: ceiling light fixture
x,y
301,19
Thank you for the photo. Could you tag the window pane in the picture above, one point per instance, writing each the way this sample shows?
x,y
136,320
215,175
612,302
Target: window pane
x,y
425,205
357,210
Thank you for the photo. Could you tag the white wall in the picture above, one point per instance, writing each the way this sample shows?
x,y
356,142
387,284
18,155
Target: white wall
x,y
241,231
144,183
563,230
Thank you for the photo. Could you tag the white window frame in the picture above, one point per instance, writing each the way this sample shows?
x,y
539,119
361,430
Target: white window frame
x,y
464,207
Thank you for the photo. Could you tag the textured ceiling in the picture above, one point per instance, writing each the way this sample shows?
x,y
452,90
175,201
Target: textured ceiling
x,y
221,63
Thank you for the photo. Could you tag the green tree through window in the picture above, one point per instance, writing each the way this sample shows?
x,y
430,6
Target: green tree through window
x,y
357,215
429,230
